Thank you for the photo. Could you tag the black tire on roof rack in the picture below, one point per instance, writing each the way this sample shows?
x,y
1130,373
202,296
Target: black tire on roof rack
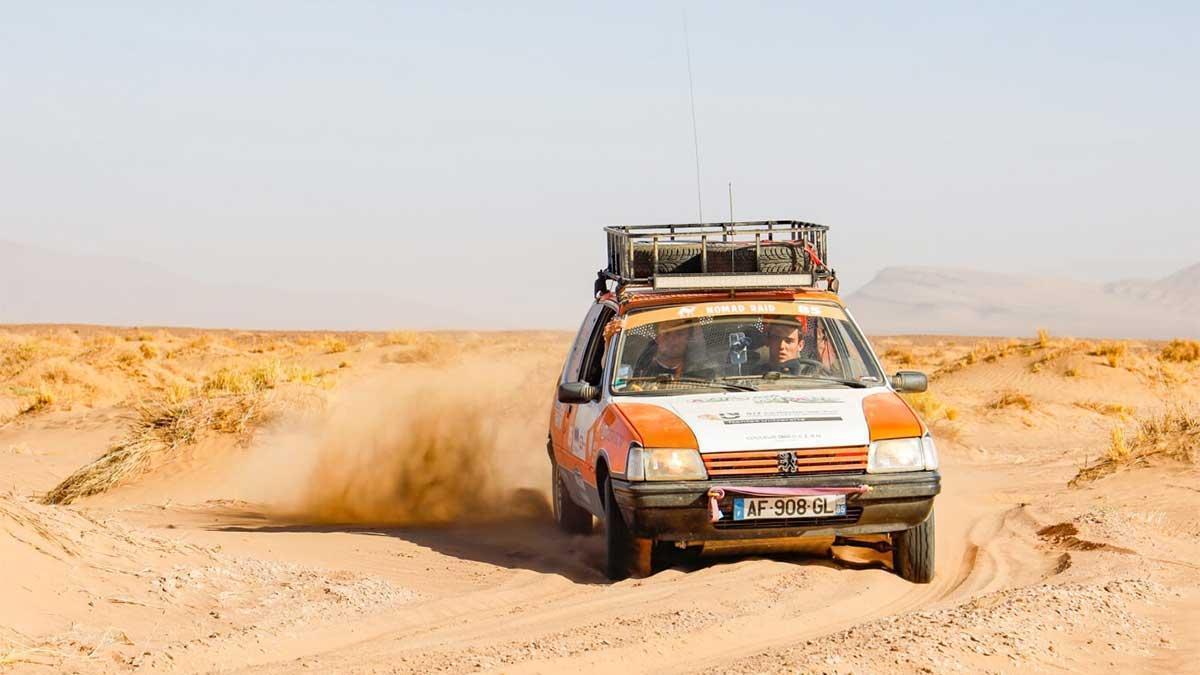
x,y
681,258
781,257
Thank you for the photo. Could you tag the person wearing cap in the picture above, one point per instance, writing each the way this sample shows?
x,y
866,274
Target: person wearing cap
x,y
785,348
669,353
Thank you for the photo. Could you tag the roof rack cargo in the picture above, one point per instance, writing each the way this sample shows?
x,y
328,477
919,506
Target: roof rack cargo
x,y
718,256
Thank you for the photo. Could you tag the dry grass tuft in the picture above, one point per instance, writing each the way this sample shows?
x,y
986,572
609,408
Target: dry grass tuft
x,y
1113,352
232,400
333,345
1108,409
39,656
40,399
256,377
1118,449
148,351
900,357
401,338
1070,371
1181,351
427,348
930,408
1043,338
1009,399
1174,434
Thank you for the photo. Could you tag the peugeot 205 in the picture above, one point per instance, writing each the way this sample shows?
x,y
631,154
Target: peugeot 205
x,y
715,393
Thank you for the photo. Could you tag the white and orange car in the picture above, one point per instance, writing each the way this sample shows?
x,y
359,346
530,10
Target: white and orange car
x,y
700,403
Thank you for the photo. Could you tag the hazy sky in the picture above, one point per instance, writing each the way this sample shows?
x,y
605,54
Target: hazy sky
x,y
360,145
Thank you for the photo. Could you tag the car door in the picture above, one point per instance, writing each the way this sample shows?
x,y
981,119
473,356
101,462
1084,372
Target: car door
x,y
563,413
579,458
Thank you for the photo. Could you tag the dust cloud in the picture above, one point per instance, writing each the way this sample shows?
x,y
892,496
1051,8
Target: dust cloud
x,y
434,446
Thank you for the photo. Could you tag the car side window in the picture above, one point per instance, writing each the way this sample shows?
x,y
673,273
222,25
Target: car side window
x,y
582,340
593,369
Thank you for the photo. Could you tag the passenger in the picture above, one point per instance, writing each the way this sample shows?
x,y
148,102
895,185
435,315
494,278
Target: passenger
x,y
785,349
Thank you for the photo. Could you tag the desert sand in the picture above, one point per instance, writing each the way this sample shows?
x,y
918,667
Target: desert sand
x,y
225,501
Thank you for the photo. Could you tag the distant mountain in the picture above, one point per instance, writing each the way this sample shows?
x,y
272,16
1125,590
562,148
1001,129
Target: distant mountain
x,y
967,302
43,286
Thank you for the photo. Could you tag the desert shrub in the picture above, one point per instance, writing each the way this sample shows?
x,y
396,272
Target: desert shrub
x,y
1043,338
1118,449
127,358
1110,409
1174,434
255,377
1181,351
333,345
930,408
1009,399
39,400
401,338
1113,352
1070,371
902,357
148,351
229,401
19,355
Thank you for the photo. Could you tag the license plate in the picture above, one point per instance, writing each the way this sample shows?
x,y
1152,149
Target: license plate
x,y
821,506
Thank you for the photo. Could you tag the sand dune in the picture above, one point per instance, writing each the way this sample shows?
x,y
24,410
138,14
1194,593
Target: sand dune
x,y
326,533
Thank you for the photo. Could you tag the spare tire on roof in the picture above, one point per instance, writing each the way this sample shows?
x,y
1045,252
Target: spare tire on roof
x,y
685,258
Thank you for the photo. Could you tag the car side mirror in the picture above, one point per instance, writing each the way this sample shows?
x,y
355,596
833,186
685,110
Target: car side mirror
x,y
910,382
577,392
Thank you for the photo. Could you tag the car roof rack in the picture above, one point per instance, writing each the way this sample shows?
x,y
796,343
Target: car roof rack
x,y
762,254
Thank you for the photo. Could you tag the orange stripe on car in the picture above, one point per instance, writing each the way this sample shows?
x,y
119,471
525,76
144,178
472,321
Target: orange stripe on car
x,y
888,416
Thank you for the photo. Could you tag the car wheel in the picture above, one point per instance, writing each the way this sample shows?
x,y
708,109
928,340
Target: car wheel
x,y
625,555
571,517
912,552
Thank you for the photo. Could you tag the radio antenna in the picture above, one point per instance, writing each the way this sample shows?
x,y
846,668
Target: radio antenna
x,y
692,97
731,203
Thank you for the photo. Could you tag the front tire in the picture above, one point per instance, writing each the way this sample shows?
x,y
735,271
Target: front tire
x,y
912,552
571,517
625,555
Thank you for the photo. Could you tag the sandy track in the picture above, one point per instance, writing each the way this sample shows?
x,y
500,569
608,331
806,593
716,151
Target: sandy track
x,y
553,601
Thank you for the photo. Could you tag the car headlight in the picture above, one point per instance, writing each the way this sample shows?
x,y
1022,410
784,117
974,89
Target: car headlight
x,y
899,454
664,464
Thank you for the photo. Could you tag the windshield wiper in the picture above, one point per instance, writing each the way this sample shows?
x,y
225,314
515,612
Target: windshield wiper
x,y
853,384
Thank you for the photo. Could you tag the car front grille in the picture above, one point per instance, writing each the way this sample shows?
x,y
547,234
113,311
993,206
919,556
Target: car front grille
x,y
852,459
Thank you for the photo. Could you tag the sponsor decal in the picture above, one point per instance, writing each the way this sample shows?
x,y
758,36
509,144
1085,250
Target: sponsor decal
x,y
767,399
784,437
687,311
794,398
737,419
740,308
766,417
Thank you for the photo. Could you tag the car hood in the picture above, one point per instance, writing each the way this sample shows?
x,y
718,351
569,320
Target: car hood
x,y
739,421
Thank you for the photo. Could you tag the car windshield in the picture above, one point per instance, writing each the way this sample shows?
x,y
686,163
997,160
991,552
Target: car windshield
x,y
741,347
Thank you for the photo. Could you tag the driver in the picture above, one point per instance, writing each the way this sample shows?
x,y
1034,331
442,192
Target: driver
x,y
669,354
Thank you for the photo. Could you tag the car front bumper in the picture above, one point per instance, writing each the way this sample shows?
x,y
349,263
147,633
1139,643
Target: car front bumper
x,y
679,510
